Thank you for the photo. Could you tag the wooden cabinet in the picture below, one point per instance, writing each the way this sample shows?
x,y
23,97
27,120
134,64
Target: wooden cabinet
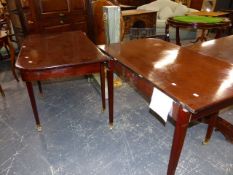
x,y
196,4
60,15
43,16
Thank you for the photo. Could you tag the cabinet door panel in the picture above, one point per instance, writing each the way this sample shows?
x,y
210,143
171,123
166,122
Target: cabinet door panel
x,y
77,5
60,15
51,6
196,4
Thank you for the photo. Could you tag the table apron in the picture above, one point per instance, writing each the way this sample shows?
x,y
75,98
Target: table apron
x,y
78,70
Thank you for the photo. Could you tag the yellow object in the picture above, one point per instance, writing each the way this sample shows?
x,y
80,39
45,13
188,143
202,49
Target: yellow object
x,y
117,82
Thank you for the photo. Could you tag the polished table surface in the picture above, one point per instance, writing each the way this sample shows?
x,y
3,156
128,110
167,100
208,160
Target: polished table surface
x,y
219,48
48,56
41,51
198,79
198,83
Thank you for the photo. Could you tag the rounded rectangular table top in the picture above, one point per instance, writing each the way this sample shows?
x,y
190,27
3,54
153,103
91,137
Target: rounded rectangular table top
x,y
48,51
196,81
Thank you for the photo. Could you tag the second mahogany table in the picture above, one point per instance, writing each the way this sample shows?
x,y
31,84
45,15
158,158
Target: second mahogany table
x,y
195,82
47,56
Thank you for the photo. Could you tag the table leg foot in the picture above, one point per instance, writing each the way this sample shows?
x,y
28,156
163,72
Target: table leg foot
x,y
211,125
38,128
110,125
205,142
103,109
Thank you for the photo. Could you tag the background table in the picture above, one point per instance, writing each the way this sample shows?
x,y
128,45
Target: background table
x,y
219,27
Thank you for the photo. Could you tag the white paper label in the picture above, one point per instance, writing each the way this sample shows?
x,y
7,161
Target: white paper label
x,y
161,104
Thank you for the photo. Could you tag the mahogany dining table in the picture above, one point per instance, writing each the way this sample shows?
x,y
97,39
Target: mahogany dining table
x,y
197,83
59,55
200,85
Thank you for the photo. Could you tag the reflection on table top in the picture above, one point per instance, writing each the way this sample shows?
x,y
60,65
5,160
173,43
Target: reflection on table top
x,y
41,51
220,48
196,81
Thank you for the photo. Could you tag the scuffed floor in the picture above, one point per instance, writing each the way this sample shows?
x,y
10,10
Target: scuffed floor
x,y
76,139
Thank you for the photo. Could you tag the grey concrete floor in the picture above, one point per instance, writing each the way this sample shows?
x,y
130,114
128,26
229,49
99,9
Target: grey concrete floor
x,y
76,140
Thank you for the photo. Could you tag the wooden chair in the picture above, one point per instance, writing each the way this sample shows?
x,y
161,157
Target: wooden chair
x,y
4,42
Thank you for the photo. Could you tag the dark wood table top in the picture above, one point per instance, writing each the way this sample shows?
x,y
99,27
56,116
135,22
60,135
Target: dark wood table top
x,y
219,48
43,52
196,81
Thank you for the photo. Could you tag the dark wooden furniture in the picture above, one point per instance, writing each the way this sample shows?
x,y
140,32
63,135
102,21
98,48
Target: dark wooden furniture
x,y
138,19
62,15
196,4
221,49
4,42
39,16
179,73
219,27
59,55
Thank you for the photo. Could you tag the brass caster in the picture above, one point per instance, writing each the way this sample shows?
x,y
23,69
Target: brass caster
x,y
103,109
39,128
110,125
205,142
